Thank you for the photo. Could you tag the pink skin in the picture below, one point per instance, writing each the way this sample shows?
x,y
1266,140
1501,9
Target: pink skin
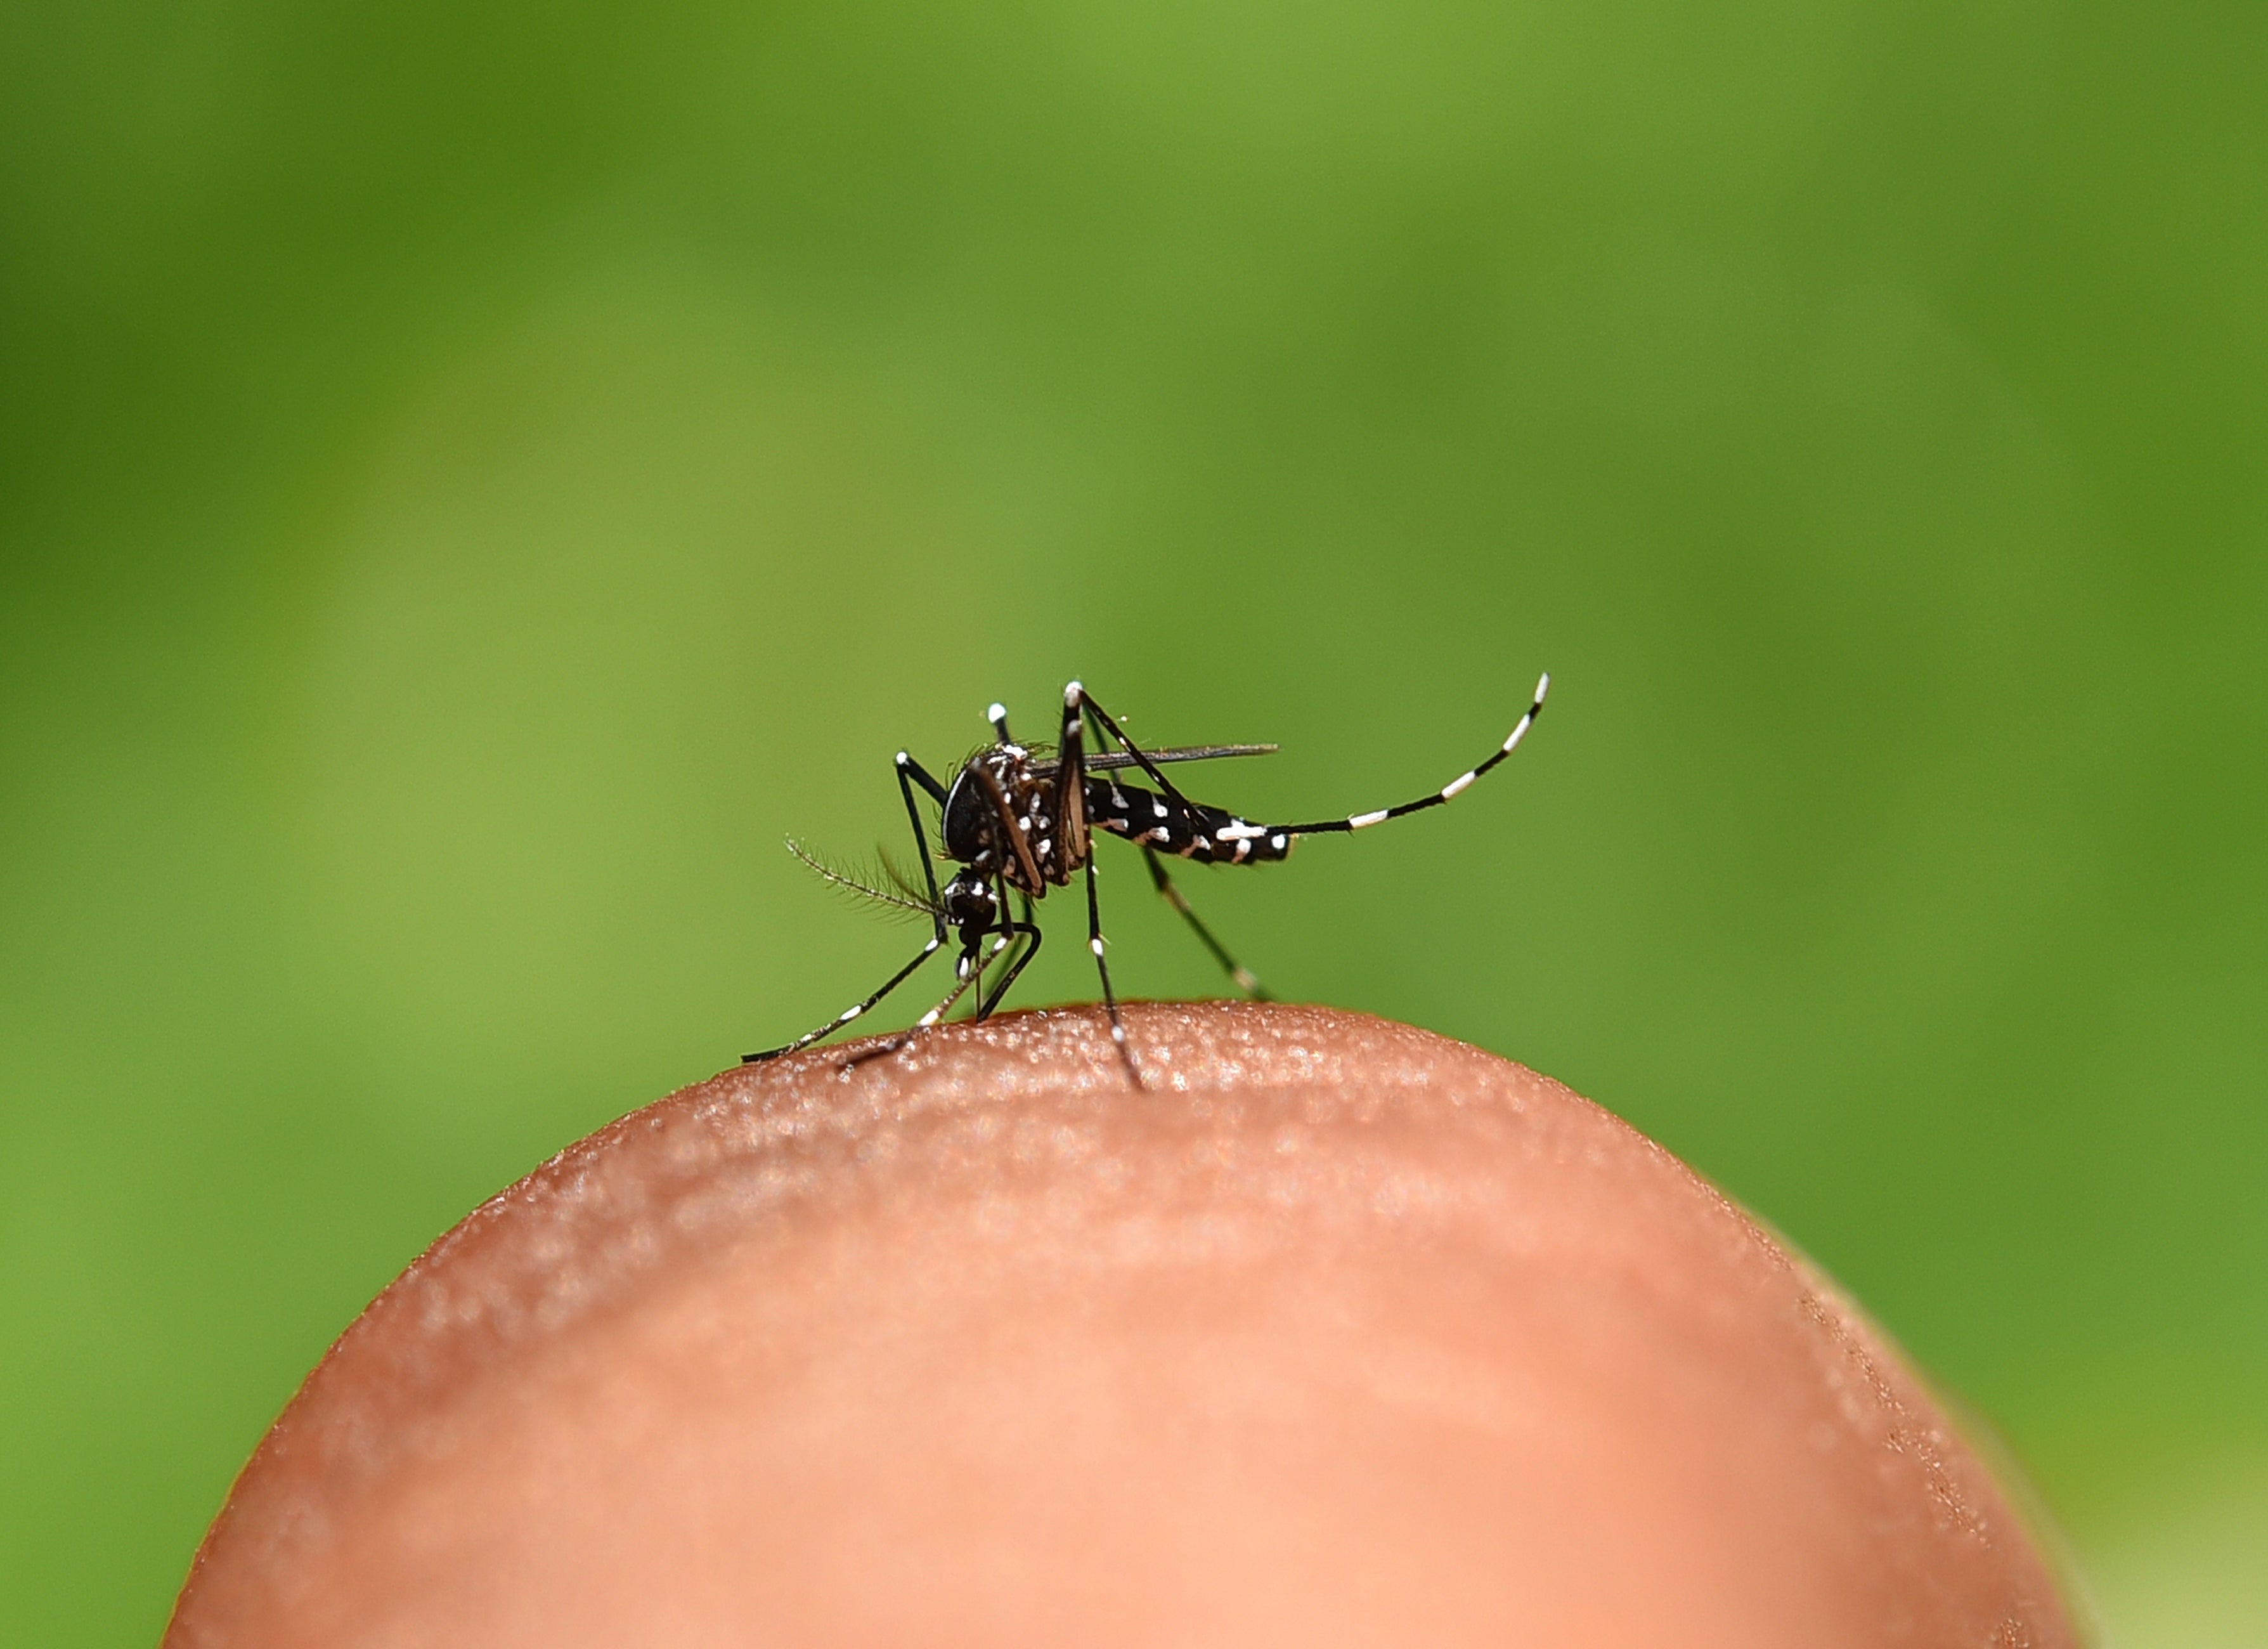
x,y
1341,1334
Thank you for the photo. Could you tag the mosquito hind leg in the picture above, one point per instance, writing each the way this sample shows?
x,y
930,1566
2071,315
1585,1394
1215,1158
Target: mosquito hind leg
x,y
1246,979
1448,793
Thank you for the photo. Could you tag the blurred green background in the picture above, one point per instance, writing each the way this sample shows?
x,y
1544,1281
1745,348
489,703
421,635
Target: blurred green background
x,y
474,477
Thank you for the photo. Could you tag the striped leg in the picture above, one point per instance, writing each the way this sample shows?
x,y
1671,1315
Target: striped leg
x,y
1247,981
1071,812
1016,963
1006,933
1455,786
1076,700
968,971
910,773
849,1014
1102,967
1072,845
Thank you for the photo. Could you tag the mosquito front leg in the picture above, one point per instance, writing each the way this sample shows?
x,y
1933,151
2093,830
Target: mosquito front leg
x,y
910,773
968,969
849,1014
1016,963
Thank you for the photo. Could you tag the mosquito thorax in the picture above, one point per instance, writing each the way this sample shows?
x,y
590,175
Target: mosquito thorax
x,y
962,826
971,825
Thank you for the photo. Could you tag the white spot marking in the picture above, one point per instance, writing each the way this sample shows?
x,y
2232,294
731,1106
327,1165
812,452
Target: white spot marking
x,y
1243,849
849,1014
903,759
1276,842
1237,830
1160,834
1517,734
1455,785
1096,945
997,714
1362,821
1543,685
1156,807
1072,693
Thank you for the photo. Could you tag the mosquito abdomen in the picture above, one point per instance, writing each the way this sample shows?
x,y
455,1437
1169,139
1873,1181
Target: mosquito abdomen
x,y
1208,835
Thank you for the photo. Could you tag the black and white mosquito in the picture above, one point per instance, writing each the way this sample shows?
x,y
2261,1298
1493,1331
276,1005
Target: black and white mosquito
x,y
1021,820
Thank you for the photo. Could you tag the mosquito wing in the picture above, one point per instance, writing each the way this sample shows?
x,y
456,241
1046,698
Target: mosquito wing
x,y
1103,761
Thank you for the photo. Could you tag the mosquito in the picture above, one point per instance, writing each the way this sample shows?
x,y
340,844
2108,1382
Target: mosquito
x,y
1019,821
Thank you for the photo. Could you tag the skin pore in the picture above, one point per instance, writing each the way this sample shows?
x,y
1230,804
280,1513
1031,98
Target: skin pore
x,y
1341,1333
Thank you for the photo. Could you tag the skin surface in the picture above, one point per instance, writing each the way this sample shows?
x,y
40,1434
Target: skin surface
x,y
1341,1334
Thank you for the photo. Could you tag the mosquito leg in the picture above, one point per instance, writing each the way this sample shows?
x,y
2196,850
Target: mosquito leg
x,y
1072,845
1076,696
1102,967
1012,828
1004,935
971,970
967,969
1027,928
1016,963
910,773
849,1014
1447,792
976,958
1247,981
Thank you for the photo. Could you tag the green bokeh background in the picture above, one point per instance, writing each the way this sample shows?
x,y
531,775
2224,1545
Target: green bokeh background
x,y
472,477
